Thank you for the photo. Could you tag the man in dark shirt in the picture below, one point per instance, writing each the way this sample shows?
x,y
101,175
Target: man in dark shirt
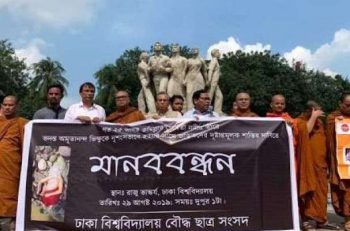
x,y
53,110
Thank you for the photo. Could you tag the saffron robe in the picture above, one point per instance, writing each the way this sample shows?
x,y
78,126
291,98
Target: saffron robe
x,y
303,157
11,140
130,115
314,205
340,189
244,114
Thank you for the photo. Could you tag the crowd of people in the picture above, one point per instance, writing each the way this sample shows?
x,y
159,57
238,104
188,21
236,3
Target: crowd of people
x,y
314,143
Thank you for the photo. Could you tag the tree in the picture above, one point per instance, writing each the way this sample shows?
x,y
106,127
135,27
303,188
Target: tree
x,y
47,72
106,80
14,77
13,72
262,74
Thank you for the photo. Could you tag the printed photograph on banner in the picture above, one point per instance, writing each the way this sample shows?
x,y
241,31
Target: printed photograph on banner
x,y
347,155
50,181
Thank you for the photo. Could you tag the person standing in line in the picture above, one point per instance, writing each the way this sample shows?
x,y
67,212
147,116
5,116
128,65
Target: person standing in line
x,y
86,111
11,142
124,113
53,110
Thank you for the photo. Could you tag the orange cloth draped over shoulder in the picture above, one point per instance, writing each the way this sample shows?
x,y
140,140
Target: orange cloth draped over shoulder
x,y
11,141
314,205
244,114
292,122
128,116
303,157
340,189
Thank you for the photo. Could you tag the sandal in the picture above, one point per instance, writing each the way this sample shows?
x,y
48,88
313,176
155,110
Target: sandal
x,y
327,225
309,225
347,226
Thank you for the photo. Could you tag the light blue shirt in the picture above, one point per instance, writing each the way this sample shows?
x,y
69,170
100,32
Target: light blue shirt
x,y
193,113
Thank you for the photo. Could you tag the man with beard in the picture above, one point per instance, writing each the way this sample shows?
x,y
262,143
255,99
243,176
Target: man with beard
x,y
11,140
53,110
86,111
125,113
242,106
340,188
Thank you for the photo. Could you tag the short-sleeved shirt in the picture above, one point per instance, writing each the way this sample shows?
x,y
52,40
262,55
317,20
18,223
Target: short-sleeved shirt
x,y
78,109
50,113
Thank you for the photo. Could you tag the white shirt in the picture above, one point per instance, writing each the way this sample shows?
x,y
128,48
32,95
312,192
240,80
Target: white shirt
x,y
78,109
193,113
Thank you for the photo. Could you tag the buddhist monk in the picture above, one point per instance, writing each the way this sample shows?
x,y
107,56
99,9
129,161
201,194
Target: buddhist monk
x,y
340,188
11,139
242,106
314,208
305,174
125,113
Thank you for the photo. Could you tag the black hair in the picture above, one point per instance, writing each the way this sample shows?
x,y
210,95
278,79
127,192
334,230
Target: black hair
x,y
174,97
56,85
88,84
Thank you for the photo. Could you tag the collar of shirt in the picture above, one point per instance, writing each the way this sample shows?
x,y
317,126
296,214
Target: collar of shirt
x,y
59,108
92,106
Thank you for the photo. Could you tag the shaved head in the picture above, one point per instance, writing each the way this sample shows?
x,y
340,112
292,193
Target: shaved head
x,y
277,97
242,101
10,97
9,106
278,104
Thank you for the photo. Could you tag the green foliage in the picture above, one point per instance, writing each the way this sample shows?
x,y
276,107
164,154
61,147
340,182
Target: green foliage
x,y
13,76
15,79
119,76
13,72
263,75
45,73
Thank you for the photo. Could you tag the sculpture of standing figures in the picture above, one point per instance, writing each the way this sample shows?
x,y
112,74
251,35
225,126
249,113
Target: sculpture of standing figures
x,y
196,76
179,65
160,67
145,92
213,80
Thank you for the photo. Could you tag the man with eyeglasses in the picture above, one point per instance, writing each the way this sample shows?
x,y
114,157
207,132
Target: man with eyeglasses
x,y
202,107
163,108
124,113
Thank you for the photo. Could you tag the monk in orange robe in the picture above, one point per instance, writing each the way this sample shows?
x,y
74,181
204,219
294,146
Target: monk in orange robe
x,y
314,207
340,189
241,106
11,139
278,105
305,173
124,113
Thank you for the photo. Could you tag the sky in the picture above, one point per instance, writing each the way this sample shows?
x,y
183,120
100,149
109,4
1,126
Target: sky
x,y
85,35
